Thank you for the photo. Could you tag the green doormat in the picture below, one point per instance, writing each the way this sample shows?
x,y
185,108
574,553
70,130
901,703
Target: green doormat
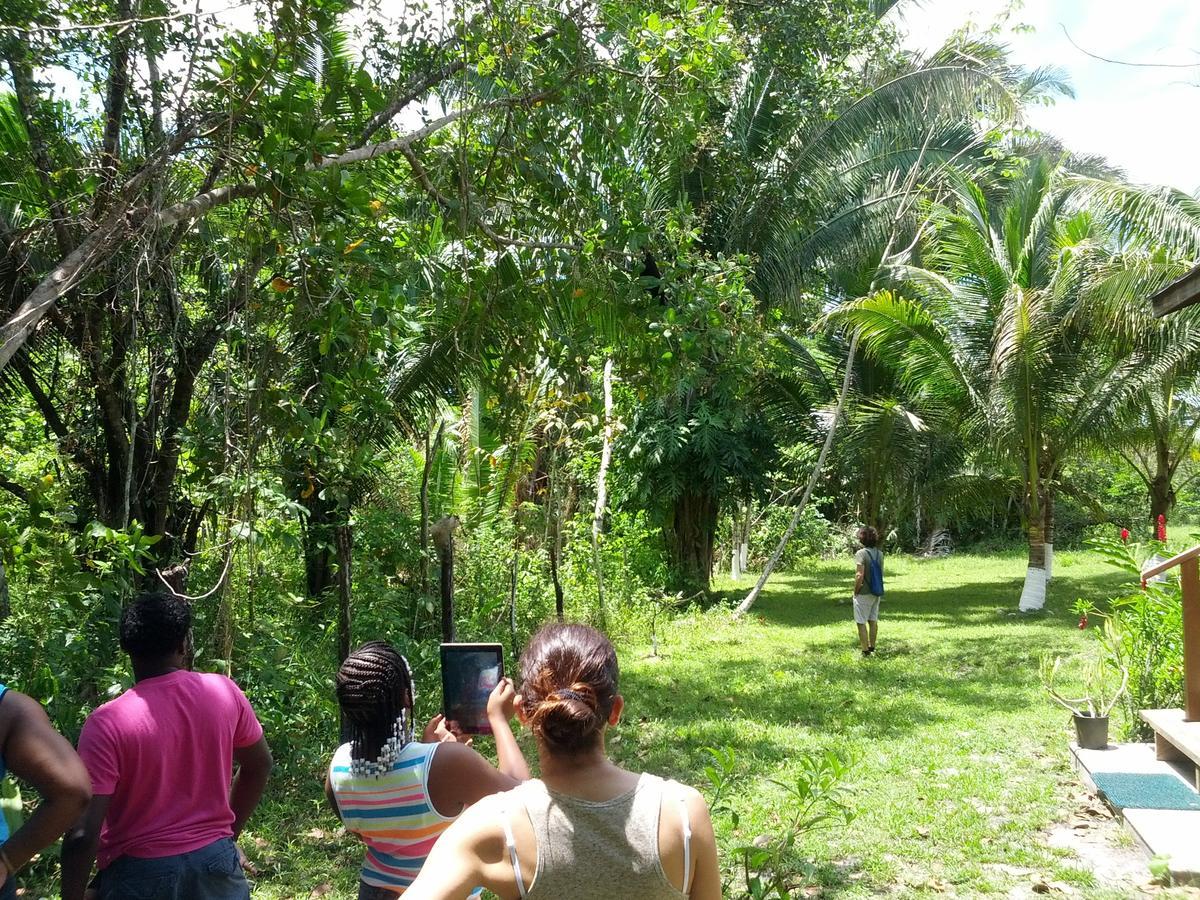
x,y
1127,790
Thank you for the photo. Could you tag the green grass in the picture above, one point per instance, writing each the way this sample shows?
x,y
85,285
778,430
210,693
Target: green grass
x,y
960,760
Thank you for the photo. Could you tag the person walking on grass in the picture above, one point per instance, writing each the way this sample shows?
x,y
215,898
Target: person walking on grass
x,y
588,829
398,794
167,808
868,588
33,751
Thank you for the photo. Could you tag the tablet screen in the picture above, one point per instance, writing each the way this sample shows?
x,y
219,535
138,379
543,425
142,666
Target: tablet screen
x,y
469,674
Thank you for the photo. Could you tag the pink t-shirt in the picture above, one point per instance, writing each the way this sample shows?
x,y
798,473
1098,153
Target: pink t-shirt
x,y
163,751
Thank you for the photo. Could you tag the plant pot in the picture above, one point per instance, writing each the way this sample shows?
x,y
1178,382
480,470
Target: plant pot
x,y
1092,732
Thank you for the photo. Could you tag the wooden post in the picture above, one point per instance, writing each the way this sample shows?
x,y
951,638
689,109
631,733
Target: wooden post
x,y
344,541
1190,581
443,539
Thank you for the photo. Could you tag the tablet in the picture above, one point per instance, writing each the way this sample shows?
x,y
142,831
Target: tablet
x,y
469,674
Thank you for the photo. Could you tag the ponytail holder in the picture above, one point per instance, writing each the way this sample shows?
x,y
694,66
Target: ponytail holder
x,y
571,695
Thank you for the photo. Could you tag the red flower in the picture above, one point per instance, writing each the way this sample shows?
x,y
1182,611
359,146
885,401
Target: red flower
x,y
1082,622
1162,527
1125,535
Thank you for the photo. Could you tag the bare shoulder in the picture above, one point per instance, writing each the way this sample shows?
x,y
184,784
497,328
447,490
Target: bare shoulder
x,y
17,707
484,816
479,830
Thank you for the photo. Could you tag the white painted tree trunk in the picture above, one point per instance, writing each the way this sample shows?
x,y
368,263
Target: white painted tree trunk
x,y
602,485
744,553
1049,562
1033,596
1151,563
739,536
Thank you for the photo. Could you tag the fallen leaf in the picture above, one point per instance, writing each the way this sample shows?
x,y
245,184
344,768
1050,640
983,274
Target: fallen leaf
x,y
352,246
321,890
281,285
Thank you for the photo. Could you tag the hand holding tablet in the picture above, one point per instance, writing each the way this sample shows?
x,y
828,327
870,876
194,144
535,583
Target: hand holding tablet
x,y
470,675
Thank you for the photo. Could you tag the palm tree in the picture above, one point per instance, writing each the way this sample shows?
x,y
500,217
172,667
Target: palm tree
x,y
1000,331
1163,421
799,194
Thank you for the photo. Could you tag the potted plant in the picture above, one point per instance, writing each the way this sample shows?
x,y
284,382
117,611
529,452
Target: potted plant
x,y
1090,712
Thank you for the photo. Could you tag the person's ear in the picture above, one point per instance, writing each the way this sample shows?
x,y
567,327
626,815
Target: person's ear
x,y
522,717
617,708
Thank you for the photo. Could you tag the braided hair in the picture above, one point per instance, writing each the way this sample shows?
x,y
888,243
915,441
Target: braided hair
x,y
375,692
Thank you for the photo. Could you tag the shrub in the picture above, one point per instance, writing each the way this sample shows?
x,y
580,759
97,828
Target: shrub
x,y
1144,635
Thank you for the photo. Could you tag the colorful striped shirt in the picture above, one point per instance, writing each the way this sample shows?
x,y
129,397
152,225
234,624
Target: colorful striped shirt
x,y
392,813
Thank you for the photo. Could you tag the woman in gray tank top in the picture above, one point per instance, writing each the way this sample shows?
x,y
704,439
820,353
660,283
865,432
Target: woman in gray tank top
x,y
587,829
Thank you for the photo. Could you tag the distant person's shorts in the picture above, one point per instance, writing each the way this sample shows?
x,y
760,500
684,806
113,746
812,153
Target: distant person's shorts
x,y
866,608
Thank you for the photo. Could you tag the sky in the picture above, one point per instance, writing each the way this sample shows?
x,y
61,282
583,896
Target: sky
x,y
1142,119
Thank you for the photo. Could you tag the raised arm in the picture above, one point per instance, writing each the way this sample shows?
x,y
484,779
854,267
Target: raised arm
x,y
39,755
502,706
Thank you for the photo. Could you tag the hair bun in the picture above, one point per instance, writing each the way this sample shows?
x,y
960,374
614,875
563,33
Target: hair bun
x,y
568,717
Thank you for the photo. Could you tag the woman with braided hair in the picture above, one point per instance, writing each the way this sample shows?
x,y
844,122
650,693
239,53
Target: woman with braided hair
x,y
398,794
588,829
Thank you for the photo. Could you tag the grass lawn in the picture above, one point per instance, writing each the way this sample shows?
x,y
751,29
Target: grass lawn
x,y
961,762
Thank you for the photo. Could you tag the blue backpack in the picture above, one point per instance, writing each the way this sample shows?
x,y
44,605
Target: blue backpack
x,y
874,573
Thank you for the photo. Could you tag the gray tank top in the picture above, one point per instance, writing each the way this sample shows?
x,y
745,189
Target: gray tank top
x,y
589,850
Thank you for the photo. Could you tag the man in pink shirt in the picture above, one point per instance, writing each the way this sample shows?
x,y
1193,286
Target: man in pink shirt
x,y
166,806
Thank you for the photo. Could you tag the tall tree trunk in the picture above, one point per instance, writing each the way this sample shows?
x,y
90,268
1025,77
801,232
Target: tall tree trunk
x,y
5,605
1033,595
558,591
554,531
777,554
735,543
744,549
1048,500
318,539
693,530
602,487
512,599
443,540
431,451
1162,495
344,538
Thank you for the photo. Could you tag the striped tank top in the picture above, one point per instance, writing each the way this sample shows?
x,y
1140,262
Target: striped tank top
x,y
392,813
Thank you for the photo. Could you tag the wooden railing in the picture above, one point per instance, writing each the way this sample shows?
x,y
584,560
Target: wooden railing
x,y
1189,579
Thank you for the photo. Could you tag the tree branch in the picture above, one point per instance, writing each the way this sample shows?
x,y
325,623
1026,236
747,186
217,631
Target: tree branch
x,y
78,264
18,491
114,107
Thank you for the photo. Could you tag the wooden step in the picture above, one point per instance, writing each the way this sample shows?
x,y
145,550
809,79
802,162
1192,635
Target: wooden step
x,y
1175,739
